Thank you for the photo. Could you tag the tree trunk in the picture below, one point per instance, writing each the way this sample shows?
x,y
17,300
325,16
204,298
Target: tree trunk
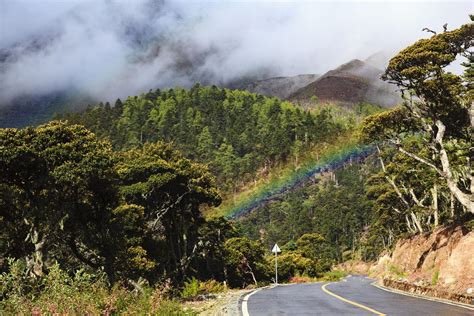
x,y
465,199
109,268
35,262
435,205
409,226
38,262
416,222
252,274
451,204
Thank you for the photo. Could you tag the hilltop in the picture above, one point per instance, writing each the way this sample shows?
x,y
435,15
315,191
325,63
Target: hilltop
x,y
281,87
353,82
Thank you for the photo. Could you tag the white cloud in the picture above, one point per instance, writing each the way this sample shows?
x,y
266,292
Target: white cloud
x,y
114,48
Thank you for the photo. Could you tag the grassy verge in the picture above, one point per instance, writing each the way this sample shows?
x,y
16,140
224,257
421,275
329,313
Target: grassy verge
x,y
58,293
330,276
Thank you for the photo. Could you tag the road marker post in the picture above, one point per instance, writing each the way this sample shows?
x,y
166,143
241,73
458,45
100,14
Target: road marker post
x,y
276,250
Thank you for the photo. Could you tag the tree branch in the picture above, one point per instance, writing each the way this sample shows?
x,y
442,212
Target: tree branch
x,y
417,158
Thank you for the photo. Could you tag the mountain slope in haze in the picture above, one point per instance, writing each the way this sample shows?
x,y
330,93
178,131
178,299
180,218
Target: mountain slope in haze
x,y
350,83
378,60
281,87
354,82
36,109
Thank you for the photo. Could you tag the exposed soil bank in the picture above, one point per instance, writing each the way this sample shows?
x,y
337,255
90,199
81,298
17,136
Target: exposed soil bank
x,y
443,258
439,264
428,291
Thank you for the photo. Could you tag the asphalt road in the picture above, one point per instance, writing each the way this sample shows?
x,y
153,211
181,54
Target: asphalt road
x,y
332,299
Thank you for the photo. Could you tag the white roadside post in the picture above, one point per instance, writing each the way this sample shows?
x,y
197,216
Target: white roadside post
x,y
276,250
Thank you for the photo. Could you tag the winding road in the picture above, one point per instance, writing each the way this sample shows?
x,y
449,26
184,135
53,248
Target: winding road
x,y
353,296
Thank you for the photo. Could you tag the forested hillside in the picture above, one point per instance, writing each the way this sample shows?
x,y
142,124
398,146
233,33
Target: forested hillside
x,y
334,205
236,132
104,210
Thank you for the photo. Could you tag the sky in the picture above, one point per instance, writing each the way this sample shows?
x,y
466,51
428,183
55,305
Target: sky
x,y
115,48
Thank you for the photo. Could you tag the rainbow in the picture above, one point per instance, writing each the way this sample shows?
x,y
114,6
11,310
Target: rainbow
x,y
351,153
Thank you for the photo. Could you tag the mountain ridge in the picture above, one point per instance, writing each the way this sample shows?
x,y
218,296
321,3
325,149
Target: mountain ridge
x,y
353,82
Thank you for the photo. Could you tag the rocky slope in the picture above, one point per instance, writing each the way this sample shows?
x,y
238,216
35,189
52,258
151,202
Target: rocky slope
x,y
350,83
444,258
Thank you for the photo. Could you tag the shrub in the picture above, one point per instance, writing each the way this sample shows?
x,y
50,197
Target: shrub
x,y
397,271
469,225
300,279
194,287
435,278
81,293
245,261
191,288
334,275
211,286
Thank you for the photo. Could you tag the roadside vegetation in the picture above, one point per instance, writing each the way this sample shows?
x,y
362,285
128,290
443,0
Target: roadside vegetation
x,y
116,209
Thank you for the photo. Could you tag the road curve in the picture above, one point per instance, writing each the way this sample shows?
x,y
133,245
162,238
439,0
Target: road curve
x,y
354,296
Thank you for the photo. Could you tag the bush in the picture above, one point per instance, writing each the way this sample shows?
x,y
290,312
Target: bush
x,y
397,271
294,263
469,225
435,278
334,275
191,288
194,287
245,261
301,279
211,286
81,293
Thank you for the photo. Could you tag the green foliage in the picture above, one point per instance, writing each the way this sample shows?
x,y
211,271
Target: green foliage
x,y
435,278
16,282
211,252
336,212
235,132
81,293
469,225
191,288
397,271
334,275
57,190
380,126
312,257
424,145
245,262
67,197
366,109
171,190
211,286
315,247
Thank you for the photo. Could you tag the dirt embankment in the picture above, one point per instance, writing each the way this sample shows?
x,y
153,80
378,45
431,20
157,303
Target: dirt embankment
x,y
443,259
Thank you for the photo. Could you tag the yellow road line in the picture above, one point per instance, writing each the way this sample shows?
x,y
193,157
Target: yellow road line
x,y
350,302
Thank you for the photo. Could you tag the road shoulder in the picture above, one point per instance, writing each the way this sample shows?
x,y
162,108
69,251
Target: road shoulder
x,y
433,299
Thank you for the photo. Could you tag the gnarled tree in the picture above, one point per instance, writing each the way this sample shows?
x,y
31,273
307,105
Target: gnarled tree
x,y
438,108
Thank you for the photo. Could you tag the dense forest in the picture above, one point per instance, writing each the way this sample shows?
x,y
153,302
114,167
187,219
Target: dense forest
x,y
334,205
126,201
70,202
235,132
104,208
